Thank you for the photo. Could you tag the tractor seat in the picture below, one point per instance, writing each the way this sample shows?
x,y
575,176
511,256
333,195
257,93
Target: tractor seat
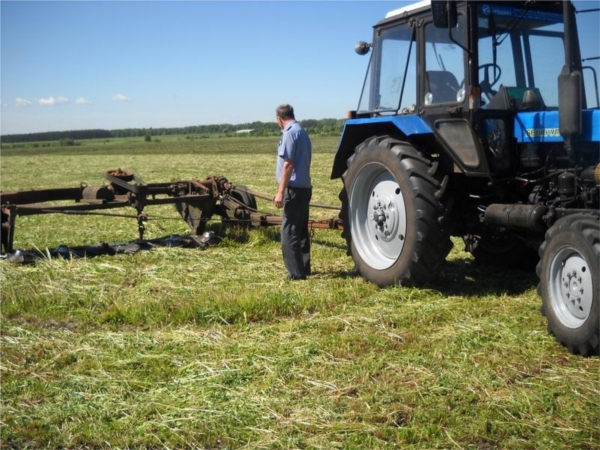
x,y
442,85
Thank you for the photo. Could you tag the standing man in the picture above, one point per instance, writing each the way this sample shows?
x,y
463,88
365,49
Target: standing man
x,y
294,153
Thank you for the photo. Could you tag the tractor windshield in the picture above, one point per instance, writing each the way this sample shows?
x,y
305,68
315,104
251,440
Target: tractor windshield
x,y
520,47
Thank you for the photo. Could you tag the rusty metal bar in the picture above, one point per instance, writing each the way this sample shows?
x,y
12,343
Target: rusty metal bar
x,y
11,230
271,197
275,220
39,208
41,195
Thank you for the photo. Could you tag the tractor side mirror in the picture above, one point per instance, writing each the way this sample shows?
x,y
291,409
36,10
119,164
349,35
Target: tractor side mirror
x,y
362,48
444,13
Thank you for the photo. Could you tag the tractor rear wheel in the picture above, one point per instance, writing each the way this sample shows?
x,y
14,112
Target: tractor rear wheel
x,y
394,211
569,286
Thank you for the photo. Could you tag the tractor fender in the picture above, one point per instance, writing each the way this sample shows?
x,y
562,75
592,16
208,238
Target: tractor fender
x,y
357,131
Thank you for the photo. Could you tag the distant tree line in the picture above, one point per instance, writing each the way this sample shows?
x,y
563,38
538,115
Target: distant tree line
x,y
326,127
56,136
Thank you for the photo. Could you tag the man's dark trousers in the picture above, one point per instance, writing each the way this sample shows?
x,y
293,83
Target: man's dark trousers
x,y
295,241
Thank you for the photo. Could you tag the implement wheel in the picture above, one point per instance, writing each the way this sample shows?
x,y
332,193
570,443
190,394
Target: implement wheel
x,y
569,287
394,213
247,199
237,209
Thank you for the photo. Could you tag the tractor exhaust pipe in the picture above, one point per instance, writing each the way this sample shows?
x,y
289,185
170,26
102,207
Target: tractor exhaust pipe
x,y
522,217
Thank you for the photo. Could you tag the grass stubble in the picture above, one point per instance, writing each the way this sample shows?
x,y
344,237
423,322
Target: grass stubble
x,y
188,348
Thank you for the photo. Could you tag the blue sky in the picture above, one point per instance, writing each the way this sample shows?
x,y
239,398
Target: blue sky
x,y
81,64
78,65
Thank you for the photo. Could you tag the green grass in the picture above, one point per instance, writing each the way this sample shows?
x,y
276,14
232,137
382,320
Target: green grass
x,y
188,348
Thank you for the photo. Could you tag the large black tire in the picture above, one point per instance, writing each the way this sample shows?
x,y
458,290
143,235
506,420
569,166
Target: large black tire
x,y
394,211
569,287
501,249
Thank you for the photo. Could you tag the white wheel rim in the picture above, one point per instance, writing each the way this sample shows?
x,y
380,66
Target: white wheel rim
x,y
571,288
377,216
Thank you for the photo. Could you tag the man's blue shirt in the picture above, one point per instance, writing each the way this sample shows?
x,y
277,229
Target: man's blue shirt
x,y
295,145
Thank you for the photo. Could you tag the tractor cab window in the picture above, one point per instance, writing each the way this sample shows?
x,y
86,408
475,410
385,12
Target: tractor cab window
x,y
390,85
518,50
444,63
588,24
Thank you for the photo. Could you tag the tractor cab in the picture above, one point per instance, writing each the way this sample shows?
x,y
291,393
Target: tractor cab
x,y
417,66
466,74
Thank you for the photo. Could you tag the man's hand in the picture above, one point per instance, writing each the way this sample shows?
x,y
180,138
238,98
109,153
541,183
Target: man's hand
x,y
278,200
286,174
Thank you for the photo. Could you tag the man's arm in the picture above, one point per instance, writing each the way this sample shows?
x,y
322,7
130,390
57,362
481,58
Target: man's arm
x,y
286,174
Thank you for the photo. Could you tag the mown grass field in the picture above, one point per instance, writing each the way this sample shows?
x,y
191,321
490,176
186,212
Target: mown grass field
x,y
189,348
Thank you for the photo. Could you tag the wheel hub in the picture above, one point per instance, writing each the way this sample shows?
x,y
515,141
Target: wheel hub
x,y
383,217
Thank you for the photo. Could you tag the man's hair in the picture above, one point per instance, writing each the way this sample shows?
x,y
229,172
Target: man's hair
x,y
285,112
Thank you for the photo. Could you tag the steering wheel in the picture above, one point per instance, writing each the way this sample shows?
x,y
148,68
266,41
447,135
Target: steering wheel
x,y
486,84
486,74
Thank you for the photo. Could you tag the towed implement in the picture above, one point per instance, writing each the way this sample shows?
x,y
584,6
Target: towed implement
x,y
197,201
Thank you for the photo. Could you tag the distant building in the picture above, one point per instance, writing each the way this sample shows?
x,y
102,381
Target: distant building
x,y
248,131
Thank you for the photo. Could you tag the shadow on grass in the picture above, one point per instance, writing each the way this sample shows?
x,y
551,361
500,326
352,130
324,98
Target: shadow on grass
x,y
242,235
328,244
465,277
110,249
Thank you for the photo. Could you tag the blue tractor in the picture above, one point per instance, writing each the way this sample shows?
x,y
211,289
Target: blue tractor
x,y
480,120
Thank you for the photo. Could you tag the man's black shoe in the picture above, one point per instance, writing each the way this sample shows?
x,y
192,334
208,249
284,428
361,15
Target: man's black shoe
x,y
291,277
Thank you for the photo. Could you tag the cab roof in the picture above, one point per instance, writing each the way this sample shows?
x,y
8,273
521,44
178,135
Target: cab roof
x,y
409,9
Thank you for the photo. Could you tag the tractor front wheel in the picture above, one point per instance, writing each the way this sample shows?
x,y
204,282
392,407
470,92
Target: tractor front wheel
x,y
394,210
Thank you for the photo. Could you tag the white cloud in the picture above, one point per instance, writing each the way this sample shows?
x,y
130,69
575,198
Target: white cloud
x,y
51,101
82,101
22,102
120,98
